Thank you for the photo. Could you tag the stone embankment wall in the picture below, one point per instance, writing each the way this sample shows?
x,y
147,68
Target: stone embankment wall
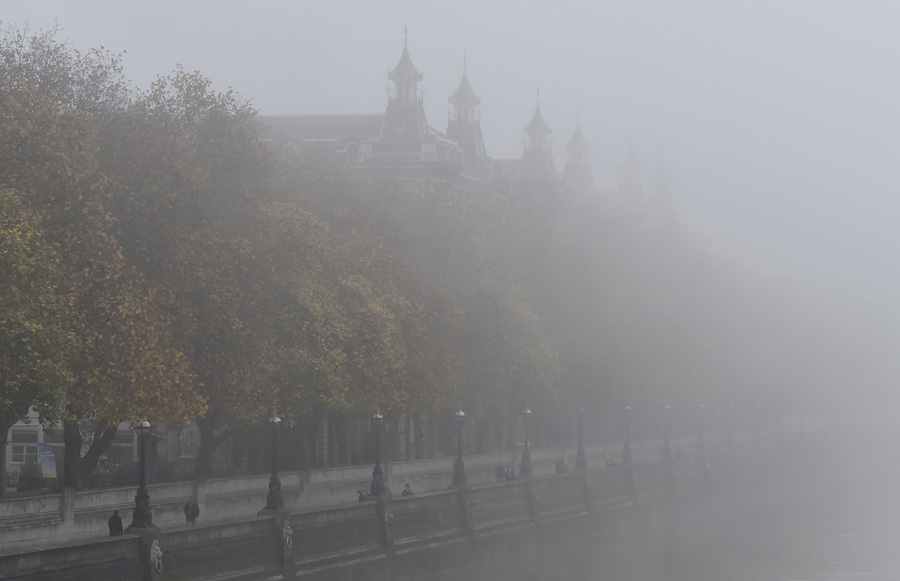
x,y
392,538
54,519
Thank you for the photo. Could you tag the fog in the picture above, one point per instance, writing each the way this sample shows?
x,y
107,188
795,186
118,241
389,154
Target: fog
x,y
775,124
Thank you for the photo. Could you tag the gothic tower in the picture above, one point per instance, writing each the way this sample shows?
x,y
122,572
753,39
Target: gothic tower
x,y
578,166
537,158
404,119
464,124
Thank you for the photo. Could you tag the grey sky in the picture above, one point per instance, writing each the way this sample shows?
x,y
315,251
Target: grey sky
x,y
777,122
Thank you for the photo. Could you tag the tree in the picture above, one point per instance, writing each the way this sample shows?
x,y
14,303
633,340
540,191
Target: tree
x,y
36,344
125,367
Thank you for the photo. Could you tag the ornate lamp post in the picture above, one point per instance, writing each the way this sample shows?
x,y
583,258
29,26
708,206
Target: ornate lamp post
x,y
143,516
378,487
667,428
580,460
274,500
459,468
626,450
525,468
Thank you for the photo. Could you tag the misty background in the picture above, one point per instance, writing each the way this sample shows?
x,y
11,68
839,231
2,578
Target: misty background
x,y
774,123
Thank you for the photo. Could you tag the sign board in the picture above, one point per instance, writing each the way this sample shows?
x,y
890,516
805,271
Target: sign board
x,y
47,456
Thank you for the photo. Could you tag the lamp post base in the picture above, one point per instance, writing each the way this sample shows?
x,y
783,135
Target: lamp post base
x,y
378,487
580,459
274,499
525,468
142,518
459,472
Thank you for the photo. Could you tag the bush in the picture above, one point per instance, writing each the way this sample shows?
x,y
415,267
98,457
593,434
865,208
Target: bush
x,y
30,476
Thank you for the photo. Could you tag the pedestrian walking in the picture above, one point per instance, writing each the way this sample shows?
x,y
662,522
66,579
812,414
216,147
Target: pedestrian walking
x,y
499,472
191,511
115,524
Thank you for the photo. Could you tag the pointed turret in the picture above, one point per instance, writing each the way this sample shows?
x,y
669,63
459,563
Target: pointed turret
x,y
537,159
464,124
578,165
537,131
404,119
406,77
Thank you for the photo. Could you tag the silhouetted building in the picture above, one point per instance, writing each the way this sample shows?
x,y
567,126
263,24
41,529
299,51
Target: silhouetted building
x,y
400,143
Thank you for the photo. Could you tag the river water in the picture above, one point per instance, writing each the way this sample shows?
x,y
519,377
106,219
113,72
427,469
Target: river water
x,y
838,521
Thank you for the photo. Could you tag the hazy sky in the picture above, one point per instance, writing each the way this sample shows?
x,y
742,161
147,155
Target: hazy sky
x,y
776,121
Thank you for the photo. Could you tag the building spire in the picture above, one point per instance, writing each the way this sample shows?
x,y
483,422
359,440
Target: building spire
x,y
405,31
464,62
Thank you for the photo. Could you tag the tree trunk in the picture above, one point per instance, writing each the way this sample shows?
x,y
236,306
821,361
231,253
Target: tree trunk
x,y
419,436
342,429
209,441
73,477
78,468
4,432
303,427
429,442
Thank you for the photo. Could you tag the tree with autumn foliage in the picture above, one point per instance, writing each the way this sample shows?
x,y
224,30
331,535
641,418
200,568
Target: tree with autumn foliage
x,y
125,365
37,346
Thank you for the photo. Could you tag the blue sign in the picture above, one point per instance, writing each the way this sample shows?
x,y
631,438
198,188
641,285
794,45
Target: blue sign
x,y
47,457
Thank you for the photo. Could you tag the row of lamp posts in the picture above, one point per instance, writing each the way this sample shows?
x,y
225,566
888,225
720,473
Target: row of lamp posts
x,y
143,516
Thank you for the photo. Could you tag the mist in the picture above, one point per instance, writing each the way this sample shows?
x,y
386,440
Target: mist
x,y
736,248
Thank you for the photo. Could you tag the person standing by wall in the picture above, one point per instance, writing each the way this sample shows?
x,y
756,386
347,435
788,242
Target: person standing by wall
x,y
191,511
115,524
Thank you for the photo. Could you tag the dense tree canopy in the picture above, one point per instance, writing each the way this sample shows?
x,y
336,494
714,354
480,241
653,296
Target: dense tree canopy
x,y
160,261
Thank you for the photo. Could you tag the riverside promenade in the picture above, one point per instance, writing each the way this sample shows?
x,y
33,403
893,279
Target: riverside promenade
x,y
324,533
68,516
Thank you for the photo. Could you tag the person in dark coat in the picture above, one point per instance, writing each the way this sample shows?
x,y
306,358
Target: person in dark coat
x,y
191,511
115,524
499,472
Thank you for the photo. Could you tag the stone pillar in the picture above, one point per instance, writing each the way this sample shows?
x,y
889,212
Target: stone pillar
x,y
67,510
385,520
283,535
465,507
152,554
587,490
531,497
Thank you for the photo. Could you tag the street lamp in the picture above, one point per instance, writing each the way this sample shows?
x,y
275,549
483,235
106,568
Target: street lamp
x,y
143,516
377,487
525,468
580,460
274,500
459,468
667,445
626,450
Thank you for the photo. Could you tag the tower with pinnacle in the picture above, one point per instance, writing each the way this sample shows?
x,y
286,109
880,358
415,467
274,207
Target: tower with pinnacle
x,y
578,166
404,122
537,157
464,124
